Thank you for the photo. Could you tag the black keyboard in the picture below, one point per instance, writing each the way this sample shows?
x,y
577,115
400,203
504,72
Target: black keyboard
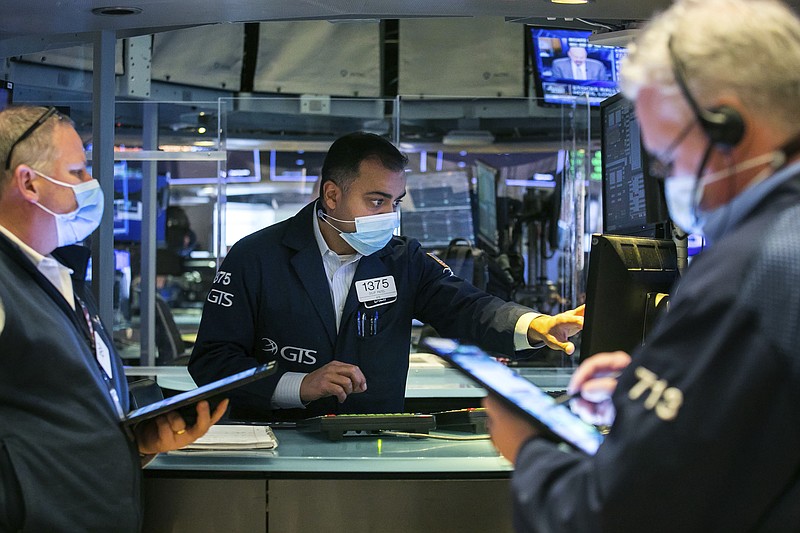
x,y
337,426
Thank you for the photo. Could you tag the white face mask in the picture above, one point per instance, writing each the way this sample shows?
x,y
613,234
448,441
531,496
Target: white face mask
x,y
372,233
684,192
77,225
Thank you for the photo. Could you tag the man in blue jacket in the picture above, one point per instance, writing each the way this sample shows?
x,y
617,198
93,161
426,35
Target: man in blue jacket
x,y
331,294
707,429
66,463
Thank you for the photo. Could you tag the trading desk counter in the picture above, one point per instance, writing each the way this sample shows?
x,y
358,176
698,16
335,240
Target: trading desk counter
x,y
422,382
359,484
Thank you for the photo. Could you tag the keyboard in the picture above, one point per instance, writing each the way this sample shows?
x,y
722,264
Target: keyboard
x,y
336,427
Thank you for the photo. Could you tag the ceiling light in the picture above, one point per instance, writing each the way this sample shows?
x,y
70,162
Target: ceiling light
x,y
569,1
117,11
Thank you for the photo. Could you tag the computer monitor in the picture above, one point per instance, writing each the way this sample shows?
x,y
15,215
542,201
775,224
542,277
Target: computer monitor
x,y
633,200
486,223
437,208
128,209
122,285
557,82
627,286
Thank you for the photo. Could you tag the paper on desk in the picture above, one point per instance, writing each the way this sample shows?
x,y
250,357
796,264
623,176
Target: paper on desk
x,y
235,437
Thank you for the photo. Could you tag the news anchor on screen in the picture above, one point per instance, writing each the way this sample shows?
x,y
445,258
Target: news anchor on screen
x,y
576,66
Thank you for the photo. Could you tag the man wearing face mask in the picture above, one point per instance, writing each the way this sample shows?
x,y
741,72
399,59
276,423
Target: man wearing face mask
x,y
66,463
331,294
706,432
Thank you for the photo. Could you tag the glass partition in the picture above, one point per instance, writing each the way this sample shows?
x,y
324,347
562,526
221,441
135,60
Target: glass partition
x,y
529,169
223,168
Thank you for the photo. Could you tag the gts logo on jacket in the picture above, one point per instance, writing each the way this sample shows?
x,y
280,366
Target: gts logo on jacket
x,y
293,354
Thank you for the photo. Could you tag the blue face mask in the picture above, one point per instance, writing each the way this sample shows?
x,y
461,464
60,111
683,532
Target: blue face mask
x,y
77,225
680,193
372,233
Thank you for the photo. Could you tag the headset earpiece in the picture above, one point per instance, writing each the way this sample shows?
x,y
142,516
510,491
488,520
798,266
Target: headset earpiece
x,y
723,125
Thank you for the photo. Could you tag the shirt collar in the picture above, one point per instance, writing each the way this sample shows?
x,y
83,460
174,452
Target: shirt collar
x,y
55,272
29,252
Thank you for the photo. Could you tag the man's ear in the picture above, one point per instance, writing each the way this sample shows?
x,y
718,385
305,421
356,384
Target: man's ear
x,y
331,194
24,181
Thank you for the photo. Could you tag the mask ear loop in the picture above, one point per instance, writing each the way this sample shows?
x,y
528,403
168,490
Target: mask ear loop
x,y
695,200
323,217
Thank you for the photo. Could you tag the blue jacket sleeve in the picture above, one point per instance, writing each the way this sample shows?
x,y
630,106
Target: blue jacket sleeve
x,y
456,309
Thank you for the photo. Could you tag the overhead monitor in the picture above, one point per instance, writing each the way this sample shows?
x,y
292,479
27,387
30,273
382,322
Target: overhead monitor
x,y
569,69
633,200
628,285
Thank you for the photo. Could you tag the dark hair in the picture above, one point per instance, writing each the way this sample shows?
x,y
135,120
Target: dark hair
x,y
345,155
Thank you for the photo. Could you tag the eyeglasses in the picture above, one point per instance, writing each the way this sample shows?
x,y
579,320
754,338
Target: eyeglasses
x,y
661,164
41,120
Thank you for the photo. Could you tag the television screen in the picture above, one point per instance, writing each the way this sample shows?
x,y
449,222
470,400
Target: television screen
x,y
568,68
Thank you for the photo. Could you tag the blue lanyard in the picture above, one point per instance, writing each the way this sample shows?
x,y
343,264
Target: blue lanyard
x,y
112,391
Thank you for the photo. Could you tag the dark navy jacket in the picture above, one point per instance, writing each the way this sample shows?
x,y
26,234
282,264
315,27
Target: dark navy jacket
x,y
271,300
65,462
707,430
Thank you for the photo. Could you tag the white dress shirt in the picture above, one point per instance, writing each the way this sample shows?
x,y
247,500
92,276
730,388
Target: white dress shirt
x,y
339,269
59,275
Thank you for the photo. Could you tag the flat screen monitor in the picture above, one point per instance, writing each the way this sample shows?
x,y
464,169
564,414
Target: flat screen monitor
x,y
568,68
486,224
633,200
628,285
6,93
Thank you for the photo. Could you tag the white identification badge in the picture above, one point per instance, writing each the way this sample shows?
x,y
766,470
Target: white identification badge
x,y
103,355
376,291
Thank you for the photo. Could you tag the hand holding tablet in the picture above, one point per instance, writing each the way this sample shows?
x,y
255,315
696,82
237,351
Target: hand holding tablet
x,y
553,420
185,402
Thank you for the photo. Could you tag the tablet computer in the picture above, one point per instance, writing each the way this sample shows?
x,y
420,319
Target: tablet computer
x,y
213,392
554,420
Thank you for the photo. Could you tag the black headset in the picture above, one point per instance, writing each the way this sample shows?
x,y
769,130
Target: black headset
x,y
723,125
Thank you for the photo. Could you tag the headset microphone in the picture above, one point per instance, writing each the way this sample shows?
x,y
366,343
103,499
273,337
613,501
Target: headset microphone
x,y
723,125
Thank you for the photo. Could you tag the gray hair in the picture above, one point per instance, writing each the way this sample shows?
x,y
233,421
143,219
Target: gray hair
x,y
37,150
746,48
